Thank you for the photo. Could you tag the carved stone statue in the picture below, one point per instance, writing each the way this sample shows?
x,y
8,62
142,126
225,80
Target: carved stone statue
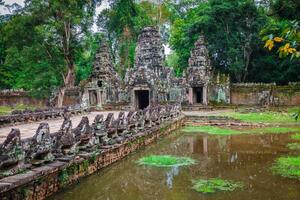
x,y
83,134
12,153
65,141
41,145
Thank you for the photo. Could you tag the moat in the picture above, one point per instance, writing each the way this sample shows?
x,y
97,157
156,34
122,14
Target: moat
x,y
244,158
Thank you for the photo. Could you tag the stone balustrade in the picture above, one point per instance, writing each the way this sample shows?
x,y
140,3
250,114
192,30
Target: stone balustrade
x,y
23,116
68,143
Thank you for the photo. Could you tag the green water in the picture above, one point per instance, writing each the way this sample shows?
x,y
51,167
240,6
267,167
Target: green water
x,y
242,158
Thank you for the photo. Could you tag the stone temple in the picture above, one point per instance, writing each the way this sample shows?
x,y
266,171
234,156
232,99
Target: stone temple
x,y
150,82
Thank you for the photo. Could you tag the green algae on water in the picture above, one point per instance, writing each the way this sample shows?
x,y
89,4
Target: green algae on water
x,y
296,136
293,146
213,185
165,161
287,167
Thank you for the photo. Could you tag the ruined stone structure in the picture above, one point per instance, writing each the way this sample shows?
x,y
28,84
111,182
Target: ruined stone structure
x,y
104,82
149,82
145,82
199,73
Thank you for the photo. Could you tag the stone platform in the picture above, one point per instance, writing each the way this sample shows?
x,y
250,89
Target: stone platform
x,y
29,129
42,182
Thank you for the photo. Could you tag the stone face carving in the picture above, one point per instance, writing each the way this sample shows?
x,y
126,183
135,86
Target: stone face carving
x,y
99,129
12,153
41,145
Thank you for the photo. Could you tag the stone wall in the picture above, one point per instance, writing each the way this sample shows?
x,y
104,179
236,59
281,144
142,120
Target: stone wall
x,y
16,97
42,182
265,94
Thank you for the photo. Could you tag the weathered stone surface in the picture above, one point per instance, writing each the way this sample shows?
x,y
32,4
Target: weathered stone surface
x,y
65,139
199,70
12,153
41,145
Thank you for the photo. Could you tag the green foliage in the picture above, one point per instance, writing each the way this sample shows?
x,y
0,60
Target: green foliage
x,y
234,44
230,42
287,167
296,136
123,22
215,184
63,177
172,61
293,146
45,42
165,161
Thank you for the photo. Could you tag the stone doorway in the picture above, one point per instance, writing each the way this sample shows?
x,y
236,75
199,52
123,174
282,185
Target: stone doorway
x,y
198,95
141,99
93,97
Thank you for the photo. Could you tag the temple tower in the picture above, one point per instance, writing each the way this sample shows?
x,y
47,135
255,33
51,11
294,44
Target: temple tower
x,y
199,73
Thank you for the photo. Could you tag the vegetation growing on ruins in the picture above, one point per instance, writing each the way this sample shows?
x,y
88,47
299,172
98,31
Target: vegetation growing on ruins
x,y
215,185
287,167
165,161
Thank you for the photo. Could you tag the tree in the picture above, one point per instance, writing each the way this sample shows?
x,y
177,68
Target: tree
x,y
231,41
122,24
53,32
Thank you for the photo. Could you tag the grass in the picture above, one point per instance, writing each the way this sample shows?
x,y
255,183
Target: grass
x,y
293,146
165,161
214,130
287,167
214,185
296,136
261,117
284,116
4,110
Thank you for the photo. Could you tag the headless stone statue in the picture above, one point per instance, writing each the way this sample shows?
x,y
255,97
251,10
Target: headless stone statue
x,y
41,146
83,134
65,143
12,154
109,129
98,126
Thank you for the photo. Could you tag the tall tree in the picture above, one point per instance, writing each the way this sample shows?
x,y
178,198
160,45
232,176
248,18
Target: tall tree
x,y
56,29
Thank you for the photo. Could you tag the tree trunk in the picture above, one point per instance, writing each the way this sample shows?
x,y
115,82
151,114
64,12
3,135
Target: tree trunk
x,y
69,78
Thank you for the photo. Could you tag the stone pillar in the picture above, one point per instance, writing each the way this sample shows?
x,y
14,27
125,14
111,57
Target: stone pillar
x,y
190,97
205,100
99,98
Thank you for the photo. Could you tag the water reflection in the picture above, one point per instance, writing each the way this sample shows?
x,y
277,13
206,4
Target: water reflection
x,y
174,171
244,158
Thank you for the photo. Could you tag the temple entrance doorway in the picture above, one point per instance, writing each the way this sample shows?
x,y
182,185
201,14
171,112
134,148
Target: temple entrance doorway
x,y
93,97
141,99
198,95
